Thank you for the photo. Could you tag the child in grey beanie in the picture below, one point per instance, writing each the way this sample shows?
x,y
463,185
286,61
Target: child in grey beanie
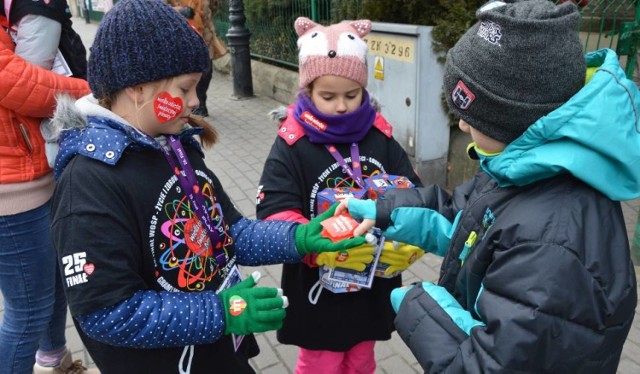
x,y
536,275
518,63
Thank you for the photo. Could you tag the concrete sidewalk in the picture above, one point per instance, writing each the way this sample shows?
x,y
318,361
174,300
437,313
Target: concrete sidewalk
x,y
246,135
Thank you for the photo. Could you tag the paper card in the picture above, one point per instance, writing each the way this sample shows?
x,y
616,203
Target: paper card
x,y
234,277
352,278
339,227
60,65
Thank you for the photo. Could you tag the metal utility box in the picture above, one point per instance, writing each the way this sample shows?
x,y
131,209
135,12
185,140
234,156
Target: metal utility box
x,y
406,78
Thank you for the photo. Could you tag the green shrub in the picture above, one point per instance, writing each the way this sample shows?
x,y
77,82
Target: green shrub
x,y
450,18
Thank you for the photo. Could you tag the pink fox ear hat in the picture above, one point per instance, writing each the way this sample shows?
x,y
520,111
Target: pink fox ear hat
x,y
337,50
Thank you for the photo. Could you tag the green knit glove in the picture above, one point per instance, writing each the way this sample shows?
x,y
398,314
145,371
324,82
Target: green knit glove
x,y
249,309
309,240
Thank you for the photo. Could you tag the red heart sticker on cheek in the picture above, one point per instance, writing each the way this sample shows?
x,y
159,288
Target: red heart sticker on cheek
x,y
167,107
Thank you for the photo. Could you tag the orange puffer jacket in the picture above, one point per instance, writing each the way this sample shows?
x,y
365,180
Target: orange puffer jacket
x,y
27,94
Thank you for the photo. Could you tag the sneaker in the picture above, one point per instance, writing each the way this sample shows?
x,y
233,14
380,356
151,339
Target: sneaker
x,y
201,111
67,366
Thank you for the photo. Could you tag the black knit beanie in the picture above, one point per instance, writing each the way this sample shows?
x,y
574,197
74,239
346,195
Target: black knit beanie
x,y
141,41
522,60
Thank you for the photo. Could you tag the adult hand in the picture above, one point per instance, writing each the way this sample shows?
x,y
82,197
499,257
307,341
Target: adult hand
x,y
359,209
249,309
309,239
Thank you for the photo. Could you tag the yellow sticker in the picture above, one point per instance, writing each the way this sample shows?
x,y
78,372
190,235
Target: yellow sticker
x,y
397,48
378,68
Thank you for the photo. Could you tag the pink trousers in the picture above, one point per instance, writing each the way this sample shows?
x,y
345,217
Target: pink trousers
x,y
358,360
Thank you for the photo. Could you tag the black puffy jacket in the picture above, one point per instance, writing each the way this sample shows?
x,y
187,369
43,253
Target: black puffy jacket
x,y
549,275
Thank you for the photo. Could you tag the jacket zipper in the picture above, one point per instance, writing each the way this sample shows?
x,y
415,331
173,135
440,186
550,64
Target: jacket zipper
x,y
25,135
468,245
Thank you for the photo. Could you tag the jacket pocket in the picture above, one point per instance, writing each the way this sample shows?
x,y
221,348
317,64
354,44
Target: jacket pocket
x,y
25,136
14,140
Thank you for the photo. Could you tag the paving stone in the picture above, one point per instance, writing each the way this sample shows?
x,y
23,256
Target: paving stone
x,y
267,356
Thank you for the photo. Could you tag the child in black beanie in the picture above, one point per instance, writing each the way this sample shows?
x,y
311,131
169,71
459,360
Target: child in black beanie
x,y
148,241
537,275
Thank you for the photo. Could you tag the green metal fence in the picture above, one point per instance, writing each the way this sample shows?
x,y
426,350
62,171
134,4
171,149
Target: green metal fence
x,y
613,24
270,22
616,25
606,24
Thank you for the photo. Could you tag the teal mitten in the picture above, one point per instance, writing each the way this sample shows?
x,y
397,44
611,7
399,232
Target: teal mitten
x,y
249,309
445,300
362,209
458,314
309,240
397,295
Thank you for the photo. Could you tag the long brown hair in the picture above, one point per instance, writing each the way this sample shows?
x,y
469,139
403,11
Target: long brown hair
x,y
209,136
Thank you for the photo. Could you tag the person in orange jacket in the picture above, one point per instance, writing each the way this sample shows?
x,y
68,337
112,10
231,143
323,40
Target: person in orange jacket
x,y
34,304
202,20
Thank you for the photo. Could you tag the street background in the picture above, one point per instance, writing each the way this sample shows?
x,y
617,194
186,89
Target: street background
x,y
245,137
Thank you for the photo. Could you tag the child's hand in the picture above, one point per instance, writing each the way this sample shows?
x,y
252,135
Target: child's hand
x,y
399,256
309,239
355,258
249,309
365,209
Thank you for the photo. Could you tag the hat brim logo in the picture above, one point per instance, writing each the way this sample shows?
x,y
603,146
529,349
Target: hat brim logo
x,y
462,97
490,31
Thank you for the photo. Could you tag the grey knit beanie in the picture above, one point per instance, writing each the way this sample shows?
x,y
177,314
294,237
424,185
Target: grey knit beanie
x,y
522,60
141,41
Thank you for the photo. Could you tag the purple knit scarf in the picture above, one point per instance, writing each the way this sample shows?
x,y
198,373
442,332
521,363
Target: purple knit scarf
x,y
329,128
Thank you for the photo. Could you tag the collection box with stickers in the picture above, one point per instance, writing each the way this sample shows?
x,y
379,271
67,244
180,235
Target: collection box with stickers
x,y
340,280
378,184
328,196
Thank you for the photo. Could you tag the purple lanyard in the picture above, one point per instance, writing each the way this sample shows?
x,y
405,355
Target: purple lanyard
x,y
189,183
356,172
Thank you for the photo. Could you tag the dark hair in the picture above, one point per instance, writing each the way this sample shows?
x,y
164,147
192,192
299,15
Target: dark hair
x,y
187,12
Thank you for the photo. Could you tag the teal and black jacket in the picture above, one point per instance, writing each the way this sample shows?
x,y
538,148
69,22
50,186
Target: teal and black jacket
x,y
535,246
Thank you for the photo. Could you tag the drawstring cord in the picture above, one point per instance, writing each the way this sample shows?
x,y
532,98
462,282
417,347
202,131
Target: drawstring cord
x,y
314,292
181,369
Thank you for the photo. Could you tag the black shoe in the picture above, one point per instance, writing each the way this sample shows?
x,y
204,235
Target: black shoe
x,y
201,111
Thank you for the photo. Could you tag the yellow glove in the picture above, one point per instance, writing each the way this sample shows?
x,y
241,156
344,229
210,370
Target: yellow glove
x,y
355,258
399,256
